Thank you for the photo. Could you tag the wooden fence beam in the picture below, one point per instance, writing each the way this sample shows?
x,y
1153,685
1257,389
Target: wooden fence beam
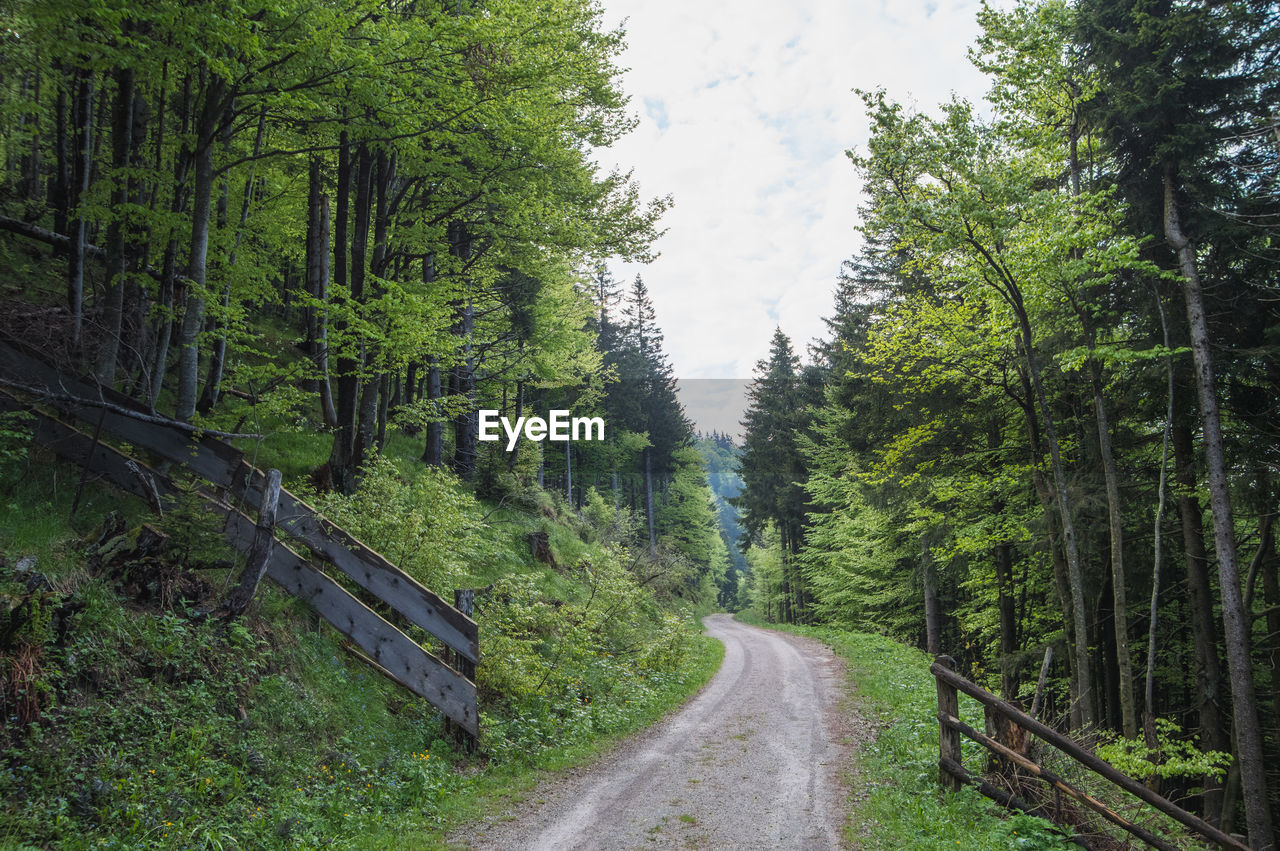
x,y
223,465
397,654
1084,757
1056,782
365,567
421,672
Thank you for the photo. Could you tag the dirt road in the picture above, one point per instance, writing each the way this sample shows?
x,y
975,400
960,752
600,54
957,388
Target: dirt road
x,y
754,761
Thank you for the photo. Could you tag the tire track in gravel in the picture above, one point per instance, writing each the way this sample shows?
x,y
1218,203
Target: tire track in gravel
x,y
755,760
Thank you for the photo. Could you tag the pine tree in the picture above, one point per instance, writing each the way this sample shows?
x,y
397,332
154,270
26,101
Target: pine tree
x,y
772,468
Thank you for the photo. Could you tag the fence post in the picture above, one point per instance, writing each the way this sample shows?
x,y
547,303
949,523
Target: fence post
x,y
948,738
259,557
464,600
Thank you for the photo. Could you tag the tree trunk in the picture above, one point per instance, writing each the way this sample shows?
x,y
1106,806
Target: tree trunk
x,y
1009,669
117,253
1271,597
202,198
568,471
62,157
648,499
1060,569
1213,730
318,288
1115,523
1149,711
218,359
465,424
341,464
514,454
433,452
1071,548
932,611
80,181
167,302
1252,772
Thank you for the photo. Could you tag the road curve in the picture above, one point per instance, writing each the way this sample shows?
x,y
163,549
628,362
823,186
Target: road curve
x,y
754,761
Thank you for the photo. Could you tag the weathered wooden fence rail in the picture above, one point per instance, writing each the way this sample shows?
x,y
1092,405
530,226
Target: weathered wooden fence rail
x,y
952,773
235,485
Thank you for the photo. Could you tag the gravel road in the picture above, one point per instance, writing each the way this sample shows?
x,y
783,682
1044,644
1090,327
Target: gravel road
x,y
756,760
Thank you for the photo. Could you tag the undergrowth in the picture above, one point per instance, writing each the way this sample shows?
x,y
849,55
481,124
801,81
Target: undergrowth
x,y
134,720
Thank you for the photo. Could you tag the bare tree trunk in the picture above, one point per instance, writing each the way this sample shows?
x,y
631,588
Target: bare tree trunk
x,y
1149,713
1271,596
465,422
1115,523
1071,548
932,610
117,254
648,500
218,358
1252,771
341,466
433,452
1060,567
1009,669
80,181
197,264
62,158
1213,730
514,454
568,472
168,283
317,316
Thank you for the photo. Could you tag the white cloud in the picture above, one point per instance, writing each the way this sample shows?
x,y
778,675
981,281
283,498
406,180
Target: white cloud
x,y
746,110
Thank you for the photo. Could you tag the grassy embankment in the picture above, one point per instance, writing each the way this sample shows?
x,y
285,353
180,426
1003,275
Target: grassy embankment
x,y
133,722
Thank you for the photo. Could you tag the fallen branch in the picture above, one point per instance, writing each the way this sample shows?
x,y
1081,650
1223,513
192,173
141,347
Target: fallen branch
x,y
62,242
125,412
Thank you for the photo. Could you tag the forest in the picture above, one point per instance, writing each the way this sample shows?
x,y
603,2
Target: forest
x,y
332,234
1043,424
1040,433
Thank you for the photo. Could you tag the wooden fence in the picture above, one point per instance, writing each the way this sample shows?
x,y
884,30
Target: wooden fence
x,y
236,486
952,773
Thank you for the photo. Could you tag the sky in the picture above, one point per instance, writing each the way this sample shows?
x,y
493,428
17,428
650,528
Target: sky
x,y
746,109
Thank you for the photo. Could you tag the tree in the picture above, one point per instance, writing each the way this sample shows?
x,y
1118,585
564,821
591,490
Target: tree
x,y
772,468
1176,83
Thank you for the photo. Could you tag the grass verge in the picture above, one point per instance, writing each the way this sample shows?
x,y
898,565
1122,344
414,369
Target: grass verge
x,y
897,802
506,787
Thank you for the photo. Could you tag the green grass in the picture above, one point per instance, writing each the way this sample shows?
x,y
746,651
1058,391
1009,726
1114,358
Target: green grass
x,y
156,730
897,801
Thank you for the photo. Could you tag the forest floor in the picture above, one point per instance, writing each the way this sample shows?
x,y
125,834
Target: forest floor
x,y
758,759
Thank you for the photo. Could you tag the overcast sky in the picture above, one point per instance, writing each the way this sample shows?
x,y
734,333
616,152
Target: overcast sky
x,y
746,110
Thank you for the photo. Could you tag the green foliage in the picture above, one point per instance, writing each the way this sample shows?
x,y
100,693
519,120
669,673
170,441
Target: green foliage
x,y
425,523
1174,755
194,531
609,525
15,437
555,671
